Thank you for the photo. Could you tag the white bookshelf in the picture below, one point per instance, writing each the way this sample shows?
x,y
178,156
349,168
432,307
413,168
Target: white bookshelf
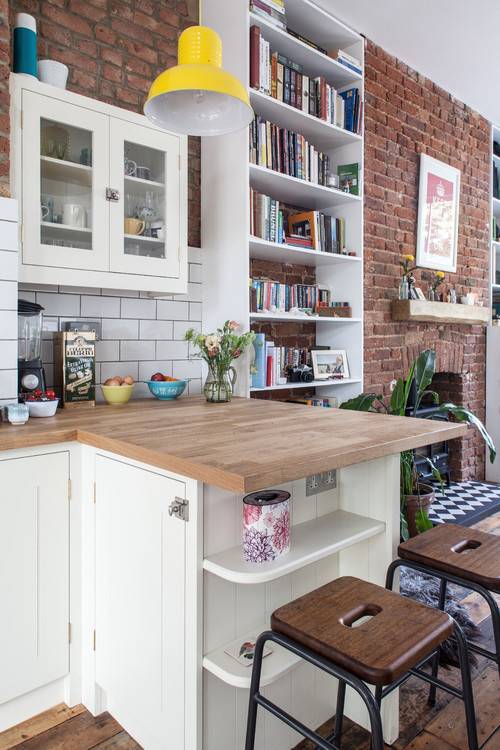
x,y
227,177
495,213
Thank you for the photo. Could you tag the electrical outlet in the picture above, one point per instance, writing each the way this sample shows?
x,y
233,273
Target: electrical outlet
x,y
316,483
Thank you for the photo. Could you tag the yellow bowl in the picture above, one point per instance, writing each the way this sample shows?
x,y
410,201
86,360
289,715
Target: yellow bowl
x,y
117,394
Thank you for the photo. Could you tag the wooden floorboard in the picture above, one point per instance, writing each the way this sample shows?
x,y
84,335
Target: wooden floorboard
x,y
421,727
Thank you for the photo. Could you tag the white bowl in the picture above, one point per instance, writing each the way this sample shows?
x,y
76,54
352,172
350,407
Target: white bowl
x,y
42,408
53,72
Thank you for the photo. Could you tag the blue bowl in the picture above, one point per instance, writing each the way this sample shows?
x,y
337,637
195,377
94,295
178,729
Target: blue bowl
x,y
166,390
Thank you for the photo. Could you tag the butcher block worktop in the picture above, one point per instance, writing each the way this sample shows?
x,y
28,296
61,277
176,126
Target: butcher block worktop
x,y
243,446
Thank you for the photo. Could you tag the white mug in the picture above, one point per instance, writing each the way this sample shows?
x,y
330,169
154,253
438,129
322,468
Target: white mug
x,y
74,215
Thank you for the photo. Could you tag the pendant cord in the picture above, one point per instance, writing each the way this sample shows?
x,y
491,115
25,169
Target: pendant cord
x,y
199,12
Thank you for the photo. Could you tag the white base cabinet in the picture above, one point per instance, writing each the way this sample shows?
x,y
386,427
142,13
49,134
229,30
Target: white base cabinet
x,y
34,572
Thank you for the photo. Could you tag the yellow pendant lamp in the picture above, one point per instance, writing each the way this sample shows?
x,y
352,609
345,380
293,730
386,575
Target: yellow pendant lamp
x,y
198,97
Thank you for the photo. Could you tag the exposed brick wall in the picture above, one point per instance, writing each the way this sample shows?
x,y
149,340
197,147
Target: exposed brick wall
x,y
114,49
406,114
4,97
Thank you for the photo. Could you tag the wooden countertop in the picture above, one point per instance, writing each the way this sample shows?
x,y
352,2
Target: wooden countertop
x,y
243,446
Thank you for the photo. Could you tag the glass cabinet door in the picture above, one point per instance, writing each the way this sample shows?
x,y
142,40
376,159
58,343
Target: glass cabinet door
x,y
145,219
65,169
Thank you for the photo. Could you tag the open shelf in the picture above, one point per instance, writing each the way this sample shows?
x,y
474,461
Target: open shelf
x,y
286,317
282,253
65,171
227,669
311,541
324,135
61,228
315,63
440,312
141,238
296,191
313,384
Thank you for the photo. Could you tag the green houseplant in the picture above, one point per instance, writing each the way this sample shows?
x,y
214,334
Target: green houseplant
x,y
415,495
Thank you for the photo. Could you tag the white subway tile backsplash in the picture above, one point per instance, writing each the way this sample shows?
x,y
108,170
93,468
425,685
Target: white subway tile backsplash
x,y
119,293
194,387
8,295
195,255
141,390
130,350
8,383
8,325
147,369
156,329
107,351
195,273
38,287
195,311
100,307
139,308
172,349
59,304
186,369
47,351
8,355
110,369
172,310
121,328
180,329
9,236
8,265
195,292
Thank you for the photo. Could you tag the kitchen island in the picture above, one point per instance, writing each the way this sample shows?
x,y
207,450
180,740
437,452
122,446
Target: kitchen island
x,y
145,560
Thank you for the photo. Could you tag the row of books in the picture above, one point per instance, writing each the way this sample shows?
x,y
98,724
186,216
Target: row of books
x,y
273,11
348,60
287,152
328,402
276,297
312,230
283,79
271,362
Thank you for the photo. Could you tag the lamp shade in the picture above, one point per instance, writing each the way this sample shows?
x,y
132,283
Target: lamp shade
x,y
198,97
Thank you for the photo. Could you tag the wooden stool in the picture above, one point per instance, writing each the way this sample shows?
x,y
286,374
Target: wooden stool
x,y
330,629
456,554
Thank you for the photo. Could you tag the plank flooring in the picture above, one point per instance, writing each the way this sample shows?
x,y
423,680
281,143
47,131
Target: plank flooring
x,y
422,728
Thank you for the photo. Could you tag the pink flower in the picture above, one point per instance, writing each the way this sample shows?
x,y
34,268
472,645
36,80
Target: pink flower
x,y
251,513
212,352
233,325
237,354
281,536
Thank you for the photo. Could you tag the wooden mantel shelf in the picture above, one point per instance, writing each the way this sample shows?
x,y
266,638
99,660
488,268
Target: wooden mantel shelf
x,y
440,312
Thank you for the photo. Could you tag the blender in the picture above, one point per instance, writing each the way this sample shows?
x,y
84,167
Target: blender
x,y
30,374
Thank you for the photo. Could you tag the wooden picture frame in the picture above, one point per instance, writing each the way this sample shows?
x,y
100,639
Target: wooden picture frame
x,y
438,213
330,364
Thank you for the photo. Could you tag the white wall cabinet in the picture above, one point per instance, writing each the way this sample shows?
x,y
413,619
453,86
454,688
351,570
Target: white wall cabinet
x,y
140,602
34,572
81,169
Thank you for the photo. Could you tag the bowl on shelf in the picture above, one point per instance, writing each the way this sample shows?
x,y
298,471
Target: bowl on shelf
x,y
117,394
166,390
42,408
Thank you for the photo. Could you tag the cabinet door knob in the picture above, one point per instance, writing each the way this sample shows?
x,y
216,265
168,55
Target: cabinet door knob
x,y
112,194
179,508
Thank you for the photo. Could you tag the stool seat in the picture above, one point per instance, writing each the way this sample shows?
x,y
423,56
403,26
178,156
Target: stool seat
x,y
466,553
399,634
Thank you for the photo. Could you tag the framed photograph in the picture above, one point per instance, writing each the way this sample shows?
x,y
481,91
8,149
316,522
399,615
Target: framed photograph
x,y
438,207
330,364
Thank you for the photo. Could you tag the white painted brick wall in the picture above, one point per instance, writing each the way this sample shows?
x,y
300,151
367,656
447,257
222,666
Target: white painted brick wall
x,y
140,336
8,300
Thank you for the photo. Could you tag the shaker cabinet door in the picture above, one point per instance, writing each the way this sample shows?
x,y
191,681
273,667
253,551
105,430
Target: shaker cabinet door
x,y
34,572
64,177
140,600
149,219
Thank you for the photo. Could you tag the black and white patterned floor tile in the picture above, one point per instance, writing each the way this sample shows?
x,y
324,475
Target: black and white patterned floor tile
x,y
465,502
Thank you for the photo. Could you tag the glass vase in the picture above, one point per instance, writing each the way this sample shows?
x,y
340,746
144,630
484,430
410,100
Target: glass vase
x,y
403,289
218,388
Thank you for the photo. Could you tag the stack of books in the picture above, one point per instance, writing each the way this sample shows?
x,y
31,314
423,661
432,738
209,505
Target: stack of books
x,y
273,11
331,402
287,152
271,295
266,217
324,233
272,362
346,59
283,79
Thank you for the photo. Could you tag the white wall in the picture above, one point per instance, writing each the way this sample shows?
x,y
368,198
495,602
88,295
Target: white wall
x,y
8,300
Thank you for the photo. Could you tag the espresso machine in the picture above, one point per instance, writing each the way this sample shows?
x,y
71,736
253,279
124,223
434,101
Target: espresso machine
x,y
30,369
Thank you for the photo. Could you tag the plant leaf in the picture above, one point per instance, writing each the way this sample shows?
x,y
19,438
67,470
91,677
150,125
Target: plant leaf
x,y
397,403
422,521
363,402
464,415
425,367
405,533
435,396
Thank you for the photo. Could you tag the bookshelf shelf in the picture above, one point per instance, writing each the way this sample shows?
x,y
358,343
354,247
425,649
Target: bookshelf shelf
x,y
315,62
311,541
314,384
227,669
297,192
282,253
287,318
323,134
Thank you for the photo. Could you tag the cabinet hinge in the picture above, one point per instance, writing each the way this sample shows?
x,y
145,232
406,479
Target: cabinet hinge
x,y
94,493
70,490
93,640
179,508
69,632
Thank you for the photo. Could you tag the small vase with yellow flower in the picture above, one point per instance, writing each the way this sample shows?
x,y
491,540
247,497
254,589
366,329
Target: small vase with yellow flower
x,y
406,264
436,281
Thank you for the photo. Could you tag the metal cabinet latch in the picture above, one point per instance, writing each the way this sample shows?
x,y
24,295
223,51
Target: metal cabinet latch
x,y
112,194
179,508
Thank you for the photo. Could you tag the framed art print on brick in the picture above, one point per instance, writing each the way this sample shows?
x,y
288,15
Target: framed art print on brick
x,y
438,206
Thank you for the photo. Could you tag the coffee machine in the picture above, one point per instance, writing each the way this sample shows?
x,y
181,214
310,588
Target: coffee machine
x,y
30,369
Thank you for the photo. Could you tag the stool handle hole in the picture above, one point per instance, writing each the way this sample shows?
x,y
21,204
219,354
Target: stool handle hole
x,y
467,545
360,615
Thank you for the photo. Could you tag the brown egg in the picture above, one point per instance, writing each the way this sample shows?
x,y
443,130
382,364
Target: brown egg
x,y
128,380
112,382
119,379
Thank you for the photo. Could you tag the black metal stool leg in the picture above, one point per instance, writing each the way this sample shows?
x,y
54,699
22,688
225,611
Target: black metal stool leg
x,y
339,713
495,621
468,695
435,662
254,690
